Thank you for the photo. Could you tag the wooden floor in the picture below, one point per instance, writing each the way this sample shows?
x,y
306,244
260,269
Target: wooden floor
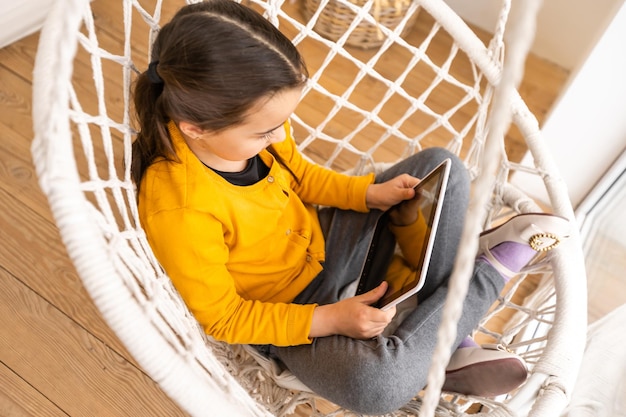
x,y
57,357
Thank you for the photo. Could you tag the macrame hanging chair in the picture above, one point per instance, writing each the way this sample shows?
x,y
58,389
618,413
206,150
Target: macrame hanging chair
x,y
83,134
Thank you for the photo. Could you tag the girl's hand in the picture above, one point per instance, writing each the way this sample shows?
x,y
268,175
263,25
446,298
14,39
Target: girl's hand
x,y
353,317
387,194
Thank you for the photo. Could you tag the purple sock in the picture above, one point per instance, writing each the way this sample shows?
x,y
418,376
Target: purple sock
x,y
468,342
512,255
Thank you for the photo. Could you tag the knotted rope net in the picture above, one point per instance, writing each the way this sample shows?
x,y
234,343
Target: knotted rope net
x,y
429,80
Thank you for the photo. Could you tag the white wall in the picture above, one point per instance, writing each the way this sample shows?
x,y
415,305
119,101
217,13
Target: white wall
x,y
20,18
566,31
586,130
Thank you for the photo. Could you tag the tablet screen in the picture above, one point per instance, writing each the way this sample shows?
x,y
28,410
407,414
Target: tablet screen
x,y
420,217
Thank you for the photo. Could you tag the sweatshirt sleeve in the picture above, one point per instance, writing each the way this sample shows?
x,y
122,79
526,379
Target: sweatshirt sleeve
x,y
320,185
185,243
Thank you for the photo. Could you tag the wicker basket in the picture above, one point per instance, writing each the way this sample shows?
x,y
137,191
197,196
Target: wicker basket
x,y
336,18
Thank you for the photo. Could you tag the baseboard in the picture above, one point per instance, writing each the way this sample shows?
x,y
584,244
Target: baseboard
x,y
19,19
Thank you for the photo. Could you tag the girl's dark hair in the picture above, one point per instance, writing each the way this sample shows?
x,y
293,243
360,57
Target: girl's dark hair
x,y
216,59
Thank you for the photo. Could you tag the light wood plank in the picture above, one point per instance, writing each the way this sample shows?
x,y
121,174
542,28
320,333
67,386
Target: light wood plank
x,y
33,251
19,57
15,111
78,372
30,219
32,248
607,285
20,399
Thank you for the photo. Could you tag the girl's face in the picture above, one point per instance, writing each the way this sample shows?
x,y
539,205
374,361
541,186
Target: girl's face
x,y
230,149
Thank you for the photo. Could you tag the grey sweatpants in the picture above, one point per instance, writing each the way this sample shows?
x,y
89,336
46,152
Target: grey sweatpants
x,y
381,374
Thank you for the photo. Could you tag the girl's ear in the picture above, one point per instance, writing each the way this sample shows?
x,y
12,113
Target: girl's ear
x,y
190,130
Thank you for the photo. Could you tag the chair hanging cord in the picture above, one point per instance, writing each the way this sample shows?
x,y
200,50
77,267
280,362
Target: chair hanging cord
x,y
499,121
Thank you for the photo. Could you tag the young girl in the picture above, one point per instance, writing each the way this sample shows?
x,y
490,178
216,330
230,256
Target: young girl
x,y
229,207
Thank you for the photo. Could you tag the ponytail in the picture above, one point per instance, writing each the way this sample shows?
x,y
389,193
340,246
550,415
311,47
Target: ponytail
x,y
153,139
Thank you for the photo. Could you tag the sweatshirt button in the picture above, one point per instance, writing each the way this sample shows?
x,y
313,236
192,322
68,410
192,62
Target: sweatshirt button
x,y
308,258
270,179
288,232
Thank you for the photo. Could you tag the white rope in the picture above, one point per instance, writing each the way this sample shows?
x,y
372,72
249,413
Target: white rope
x,y
498,124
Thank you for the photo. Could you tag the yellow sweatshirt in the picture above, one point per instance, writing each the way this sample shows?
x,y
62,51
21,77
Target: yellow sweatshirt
x,y
239,255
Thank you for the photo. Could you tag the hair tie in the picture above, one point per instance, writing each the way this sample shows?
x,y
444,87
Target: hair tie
x,y
152,73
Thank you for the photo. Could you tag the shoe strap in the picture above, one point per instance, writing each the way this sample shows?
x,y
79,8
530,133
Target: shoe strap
x,y
497,346
501,268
